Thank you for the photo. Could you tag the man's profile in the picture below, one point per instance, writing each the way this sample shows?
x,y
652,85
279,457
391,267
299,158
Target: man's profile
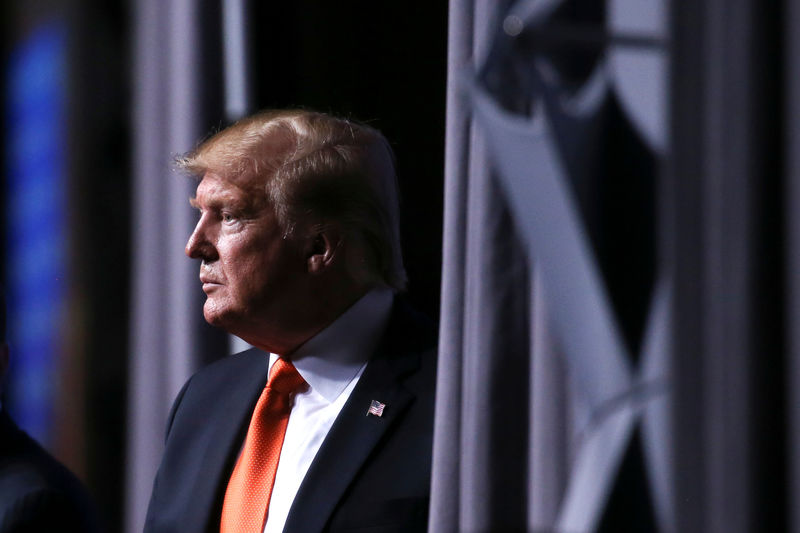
x,y
326,425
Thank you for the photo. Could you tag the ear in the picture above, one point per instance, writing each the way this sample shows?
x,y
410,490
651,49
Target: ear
x,y
323,249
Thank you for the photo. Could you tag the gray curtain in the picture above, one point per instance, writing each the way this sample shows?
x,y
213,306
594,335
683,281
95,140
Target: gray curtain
x,y
732,195
552,405
164,305
178,98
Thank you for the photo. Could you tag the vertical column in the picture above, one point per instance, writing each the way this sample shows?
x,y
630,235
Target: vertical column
x,y
173,56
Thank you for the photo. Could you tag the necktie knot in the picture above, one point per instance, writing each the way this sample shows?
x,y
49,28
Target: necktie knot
x,y
284,377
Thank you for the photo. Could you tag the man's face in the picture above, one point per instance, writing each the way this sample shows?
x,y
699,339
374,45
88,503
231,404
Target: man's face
x,y
250,273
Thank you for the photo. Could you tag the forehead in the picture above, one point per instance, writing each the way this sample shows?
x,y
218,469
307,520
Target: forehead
x,y
214,190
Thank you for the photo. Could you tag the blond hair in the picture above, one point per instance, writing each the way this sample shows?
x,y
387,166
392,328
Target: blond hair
x,y
315,168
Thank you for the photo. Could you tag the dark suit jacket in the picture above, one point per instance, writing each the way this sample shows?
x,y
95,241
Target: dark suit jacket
x,y
372,474
37,493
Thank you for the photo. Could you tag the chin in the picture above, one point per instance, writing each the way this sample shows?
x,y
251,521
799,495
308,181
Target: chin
x,y
214,316
226,319
212,319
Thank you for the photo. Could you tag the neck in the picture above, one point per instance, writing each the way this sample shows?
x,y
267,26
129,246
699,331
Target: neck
x,y
305,319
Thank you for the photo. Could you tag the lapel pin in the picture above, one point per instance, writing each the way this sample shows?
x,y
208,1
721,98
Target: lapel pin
x,y
376,408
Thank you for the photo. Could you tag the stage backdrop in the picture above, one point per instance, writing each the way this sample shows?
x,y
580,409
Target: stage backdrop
x,y
621,181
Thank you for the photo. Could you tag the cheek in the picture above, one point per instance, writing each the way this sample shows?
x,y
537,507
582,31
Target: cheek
x,y
258,267
248,270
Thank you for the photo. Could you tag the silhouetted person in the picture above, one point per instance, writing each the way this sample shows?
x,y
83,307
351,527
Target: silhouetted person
x,y
37,493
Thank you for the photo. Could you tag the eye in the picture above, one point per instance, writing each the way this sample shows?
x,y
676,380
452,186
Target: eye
x,y
228,217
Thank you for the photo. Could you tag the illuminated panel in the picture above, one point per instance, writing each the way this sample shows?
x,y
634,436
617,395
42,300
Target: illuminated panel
x,y
36,254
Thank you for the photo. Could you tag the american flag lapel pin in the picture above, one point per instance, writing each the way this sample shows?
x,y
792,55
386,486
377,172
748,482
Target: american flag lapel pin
x,y
376,408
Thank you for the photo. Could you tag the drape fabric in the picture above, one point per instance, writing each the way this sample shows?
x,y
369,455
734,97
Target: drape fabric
x,y
173,91
732,199
548,412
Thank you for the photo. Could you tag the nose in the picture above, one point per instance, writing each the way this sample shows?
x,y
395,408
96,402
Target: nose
x,y
199,246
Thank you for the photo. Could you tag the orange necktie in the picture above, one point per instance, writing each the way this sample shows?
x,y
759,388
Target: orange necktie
x,y
244,509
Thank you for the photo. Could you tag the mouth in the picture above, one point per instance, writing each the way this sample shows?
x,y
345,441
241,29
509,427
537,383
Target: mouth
x,y
210,288
209,283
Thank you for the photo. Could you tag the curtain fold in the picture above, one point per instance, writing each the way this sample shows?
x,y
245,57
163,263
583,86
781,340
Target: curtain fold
x,y
174,96
559,419
446,476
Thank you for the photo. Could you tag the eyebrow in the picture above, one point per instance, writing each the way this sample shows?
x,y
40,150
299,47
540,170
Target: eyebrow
x,y
242,205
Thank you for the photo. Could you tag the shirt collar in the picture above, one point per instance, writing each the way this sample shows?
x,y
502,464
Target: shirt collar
x,y
330,360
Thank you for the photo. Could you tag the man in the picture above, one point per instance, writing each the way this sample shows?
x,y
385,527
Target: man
x,y
37,493
298,242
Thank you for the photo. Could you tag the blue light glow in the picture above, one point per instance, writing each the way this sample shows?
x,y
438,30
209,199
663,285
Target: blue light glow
x,y
35,210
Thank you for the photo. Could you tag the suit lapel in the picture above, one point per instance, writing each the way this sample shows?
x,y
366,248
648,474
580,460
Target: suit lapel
x,y
354,434
227,423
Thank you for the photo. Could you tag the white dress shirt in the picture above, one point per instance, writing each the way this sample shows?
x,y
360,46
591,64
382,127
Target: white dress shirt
x,y
331,362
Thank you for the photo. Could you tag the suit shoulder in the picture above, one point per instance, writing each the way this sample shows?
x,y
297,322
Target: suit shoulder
x,y
216,381
45,509
34,485
412,327
410,345
219,373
